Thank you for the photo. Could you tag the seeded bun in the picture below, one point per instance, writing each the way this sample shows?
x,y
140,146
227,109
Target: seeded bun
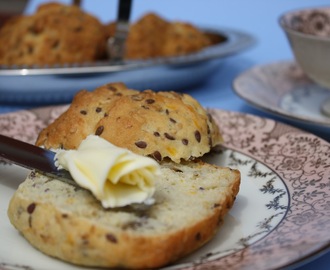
x,y
157,124
55,34
66,222
153,36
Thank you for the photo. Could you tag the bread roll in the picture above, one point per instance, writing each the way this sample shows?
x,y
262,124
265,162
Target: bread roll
x,y
55,34
153,36
157,124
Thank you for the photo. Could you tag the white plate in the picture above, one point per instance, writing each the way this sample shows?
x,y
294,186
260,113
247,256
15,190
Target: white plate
x,y
59,84
281,215
283,89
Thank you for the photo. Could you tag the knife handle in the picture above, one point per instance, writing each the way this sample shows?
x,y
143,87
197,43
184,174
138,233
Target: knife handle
x,y
26,155
124,10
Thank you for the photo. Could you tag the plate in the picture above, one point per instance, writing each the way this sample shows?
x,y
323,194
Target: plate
x,y
283,89
281,215
59,84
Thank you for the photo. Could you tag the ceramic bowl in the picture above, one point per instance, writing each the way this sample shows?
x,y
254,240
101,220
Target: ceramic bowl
x,y
308,32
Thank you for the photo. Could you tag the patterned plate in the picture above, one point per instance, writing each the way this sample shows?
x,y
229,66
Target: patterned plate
x,y
281,215
283,89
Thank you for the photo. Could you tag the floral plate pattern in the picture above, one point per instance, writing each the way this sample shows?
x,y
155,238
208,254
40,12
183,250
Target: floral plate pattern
x,y
281,215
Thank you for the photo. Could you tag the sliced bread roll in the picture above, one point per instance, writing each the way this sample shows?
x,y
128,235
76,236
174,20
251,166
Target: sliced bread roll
x,y
67,222
157,124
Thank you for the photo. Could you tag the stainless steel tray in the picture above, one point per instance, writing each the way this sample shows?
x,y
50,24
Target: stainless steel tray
x,y
58,84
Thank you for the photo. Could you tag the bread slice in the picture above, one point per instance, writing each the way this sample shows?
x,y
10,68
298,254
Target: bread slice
x,y
67,222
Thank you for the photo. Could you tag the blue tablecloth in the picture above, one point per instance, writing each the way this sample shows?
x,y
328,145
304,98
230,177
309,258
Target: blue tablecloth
x,y
257,17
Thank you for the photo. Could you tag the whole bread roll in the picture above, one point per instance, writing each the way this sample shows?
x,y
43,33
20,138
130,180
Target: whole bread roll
x,y
55,34
68,223
163,125
153,36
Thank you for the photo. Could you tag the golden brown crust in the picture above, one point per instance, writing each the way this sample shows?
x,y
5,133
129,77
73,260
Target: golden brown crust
x,y
60,34
183,38
157,124
69,224
146,37
152,36
140,251
55,34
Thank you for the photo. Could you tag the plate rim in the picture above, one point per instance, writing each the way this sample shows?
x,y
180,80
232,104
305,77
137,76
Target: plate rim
x,y
277,111
271,127
286,129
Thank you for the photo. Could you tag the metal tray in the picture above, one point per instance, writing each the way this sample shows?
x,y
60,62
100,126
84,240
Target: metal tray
x,y
58,84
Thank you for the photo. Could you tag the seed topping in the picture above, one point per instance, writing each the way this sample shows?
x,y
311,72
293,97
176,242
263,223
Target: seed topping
x,y
141,144
99,130
157,155
150,101
168,136
185,141
198,136
31,207
111,238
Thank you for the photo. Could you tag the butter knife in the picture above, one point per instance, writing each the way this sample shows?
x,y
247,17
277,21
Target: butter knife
x,y
32,157
116,44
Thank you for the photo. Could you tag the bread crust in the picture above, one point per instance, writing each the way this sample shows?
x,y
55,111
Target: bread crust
x,y
157,124
153,36
62,230
55,34
64,34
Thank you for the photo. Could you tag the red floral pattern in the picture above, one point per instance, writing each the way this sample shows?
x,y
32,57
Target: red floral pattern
x,y
303,162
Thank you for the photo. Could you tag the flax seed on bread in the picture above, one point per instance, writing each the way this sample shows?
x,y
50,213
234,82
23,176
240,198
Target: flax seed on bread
x,y
157,124
191,201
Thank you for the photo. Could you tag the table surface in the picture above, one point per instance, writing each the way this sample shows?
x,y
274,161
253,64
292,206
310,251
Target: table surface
x,y
257,17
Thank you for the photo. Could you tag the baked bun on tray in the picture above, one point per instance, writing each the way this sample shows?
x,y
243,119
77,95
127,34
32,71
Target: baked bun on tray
x,y
54,34
153,36
157,124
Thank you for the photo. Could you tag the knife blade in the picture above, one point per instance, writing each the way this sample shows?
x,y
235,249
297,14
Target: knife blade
x,y
32,157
